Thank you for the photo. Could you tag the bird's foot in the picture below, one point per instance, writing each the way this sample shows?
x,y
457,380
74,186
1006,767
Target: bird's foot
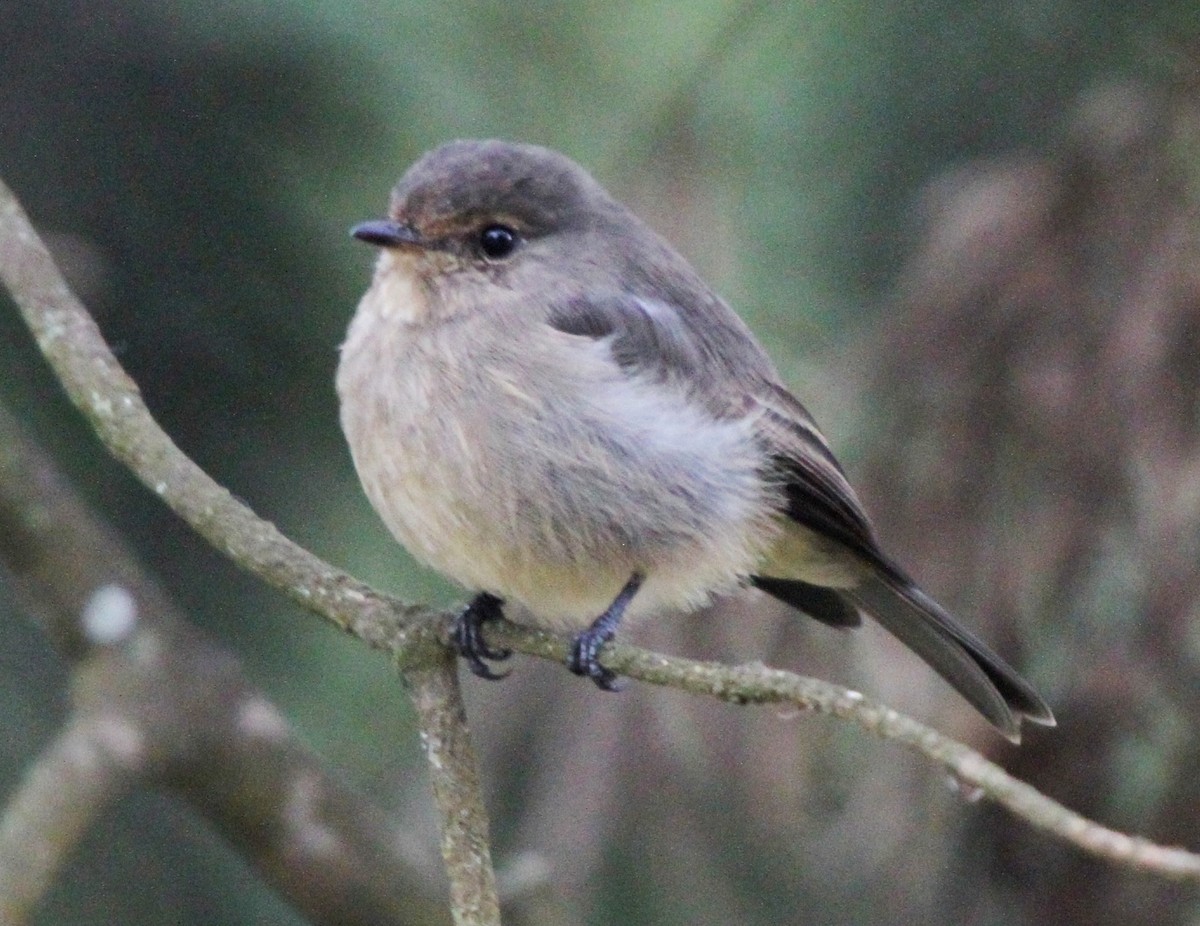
x,y
585,648
584,659
467,636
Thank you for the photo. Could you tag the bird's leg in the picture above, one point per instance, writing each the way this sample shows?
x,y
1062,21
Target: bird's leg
x,y
467,635
586,646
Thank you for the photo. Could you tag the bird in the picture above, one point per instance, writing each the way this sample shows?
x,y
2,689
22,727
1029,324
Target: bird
x,y
547,404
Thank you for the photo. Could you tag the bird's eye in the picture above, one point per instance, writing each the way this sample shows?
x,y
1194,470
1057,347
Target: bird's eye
x,y
497,242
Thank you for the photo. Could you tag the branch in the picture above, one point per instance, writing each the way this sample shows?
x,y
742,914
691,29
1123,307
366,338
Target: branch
x,y
454,770
755,683
105,394
74,779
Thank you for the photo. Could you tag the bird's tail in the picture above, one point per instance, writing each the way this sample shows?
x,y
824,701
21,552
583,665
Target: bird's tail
x,y
966,662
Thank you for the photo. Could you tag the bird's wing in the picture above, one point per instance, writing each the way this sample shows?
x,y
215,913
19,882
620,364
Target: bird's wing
x,y
646,337
713,358
817,493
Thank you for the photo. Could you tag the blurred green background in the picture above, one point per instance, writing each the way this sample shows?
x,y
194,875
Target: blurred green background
x,y
196,167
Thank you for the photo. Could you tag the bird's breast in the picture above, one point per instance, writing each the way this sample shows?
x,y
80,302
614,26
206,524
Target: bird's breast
x,y
530,466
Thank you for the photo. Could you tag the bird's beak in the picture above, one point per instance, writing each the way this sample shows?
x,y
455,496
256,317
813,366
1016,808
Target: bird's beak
x,y
387,234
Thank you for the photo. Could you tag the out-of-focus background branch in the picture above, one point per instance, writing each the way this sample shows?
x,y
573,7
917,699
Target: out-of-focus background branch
x,y
1005,371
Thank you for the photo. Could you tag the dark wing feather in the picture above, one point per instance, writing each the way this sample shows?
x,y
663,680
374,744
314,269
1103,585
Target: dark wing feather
x,y
816,491
824,604
646,336
702,348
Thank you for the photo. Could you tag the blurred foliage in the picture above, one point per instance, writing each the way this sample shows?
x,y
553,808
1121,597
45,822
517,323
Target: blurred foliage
x,y
196,166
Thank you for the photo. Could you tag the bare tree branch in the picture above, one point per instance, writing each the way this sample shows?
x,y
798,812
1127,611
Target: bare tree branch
x,y
109,399
454,770
755,683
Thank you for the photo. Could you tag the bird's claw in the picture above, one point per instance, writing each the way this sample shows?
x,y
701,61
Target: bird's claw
x,y
584,659
467,636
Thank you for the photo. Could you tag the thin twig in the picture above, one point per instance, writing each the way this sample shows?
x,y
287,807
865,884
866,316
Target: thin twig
x,y
454,772
755,683
96,383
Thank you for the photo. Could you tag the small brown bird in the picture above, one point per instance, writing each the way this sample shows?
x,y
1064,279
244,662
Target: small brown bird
x,y
547,404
